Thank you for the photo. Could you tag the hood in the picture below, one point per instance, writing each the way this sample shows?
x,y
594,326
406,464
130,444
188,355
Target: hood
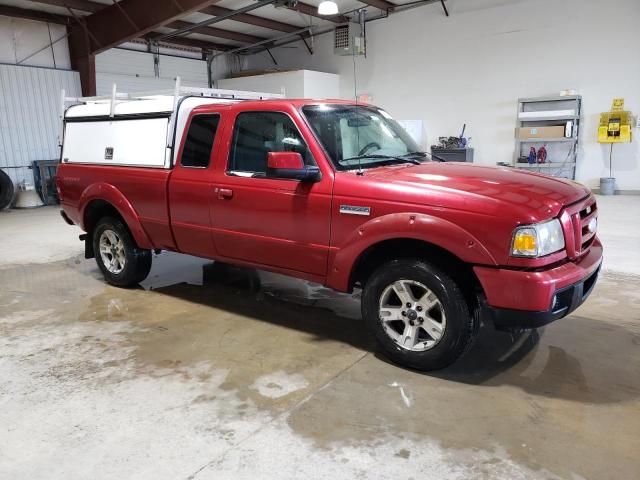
x,y
488,190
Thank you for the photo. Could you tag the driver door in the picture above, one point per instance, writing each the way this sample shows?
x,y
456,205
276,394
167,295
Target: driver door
x,y
274,222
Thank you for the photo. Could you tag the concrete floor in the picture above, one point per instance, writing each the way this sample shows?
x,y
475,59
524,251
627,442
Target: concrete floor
x,y
215,373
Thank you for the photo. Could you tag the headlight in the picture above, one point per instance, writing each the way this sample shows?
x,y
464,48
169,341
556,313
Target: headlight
x,y
537,240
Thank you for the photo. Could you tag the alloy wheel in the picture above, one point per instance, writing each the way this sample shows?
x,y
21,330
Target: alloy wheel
x,y
112,252
412,315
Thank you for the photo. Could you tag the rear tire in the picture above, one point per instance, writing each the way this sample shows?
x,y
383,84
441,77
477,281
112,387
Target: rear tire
x,y
121,261
7,190
418,314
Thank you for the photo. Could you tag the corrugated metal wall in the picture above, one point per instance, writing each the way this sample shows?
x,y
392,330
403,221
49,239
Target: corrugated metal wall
x,y
30,100
134,71
29,116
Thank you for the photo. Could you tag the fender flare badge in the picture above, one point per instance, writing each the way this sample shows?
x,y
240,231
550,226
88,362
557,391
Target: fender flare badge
x,y
355,210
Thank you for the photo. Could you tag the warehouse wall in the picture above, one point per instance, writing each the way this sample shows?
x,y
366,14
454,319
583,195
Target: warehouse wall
x,y
473,66
29,116
20,38
30,93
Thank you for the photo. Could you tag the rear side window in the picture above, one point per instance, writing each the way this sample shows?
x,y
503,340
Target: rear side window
x,y
200,137
258,133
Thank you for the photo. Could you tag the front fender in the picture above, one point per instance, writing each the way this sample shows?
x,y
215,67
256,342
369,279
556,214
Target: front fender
x,y
416,226
110,194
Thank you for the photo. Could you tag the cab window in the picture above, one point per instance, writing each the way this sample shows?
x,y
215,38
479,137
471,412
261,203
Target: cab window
x,y
256,134
200,136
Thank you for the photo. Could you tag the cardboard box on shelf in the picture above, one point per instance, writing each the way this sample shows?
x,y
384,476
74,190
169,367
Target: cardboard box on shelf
x,y
540,132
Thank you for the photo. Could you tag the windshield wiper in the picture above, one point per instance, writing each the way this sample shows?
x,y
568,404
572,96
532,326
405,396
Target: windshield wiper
x,y
424,154
387,158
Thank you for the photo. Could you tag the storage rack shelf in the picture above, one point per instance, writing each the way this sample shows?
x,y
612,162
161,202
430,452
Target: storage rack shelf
x,y
547,165
562,152
548,119
545,140
550,98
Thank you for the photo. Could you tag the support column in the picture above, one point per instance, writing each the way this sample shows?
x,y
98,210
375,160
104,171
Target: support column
x,y
87,68
82,60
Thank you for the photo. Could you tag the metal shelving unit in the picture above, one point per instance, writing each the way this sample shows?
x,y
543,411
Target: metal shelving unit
x,y
545,165
545,140
562,153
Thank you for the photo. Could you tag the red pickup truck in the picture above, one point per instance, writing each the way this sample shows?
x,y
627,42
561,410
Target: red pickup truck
x,y
337,193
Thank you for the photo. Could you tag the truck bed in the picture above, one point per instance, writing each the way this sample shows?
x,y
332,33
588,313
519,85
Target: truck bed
x,y
145,188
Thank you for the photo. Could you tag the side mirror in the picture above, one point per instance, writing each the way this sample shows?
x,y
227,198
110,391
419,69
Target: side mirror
x,y
289,165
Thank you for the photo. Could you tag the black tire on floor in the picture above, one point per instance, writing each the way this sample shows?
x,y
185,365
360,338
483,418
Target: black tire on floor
x,y
460,328
137,262
6,190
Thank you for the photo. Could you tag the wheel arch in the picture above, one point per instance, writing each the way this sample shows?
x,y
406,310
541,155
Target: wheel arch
x,y
100,200
397,248
401,235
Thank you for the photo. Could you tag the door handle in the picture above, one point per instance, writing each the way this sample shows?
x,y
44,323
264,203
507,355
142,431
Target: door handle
x,y
224,193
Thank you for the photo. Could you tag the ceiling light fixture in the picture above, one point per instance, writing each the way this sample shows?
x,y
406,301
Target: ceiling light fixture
x,y
328,8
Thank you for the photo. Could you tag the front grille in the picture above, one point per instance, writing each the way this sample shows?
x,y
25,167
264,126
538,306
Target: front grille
x,y
588,213
586,244
576,221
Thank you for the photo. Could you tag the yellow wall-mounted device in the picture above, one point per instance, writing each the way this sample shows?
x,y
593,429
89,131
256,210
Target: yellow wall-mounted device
x,y
615,126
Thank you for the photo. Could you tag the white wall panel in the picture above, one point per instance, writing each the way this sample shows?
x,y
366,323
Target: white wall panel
x,y
29,116
471,68
128,83
134,71
296,84
292,82
192,72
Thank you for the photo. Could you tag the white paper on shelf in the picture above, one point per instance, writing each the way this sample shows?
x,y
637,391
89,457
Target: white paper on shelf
x,y
547,113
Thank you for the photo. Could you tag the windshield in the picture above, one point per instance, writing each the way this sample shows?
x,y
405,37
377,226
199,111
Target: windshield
x,y
361,136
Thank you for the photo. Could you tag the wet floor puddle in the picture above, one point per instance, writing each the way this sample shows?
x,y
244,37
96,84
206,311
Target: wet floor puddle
x,y
259,342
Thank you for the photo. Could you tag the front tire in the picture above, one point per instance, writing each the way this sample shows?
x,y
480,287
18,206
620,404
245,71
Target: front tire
x,y
418,314
121,261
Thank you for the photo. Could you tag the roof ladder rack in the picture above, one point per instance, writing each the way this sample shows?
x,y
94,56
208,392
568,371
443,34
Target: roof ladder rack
x,y
177,92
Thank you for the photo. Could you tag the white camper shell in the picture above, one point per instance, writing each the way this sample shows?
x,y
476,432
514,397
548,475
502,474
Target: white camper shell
x,y
138,129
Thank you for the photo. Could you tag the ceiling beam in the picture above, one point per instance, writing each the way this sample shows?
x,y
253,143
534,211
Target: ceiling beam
x,y
40,16
189,42
93,7
307,9
82,42
108,28
82,5
381,4
218,19
216,11
36,15
217,32
250,19
266,42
